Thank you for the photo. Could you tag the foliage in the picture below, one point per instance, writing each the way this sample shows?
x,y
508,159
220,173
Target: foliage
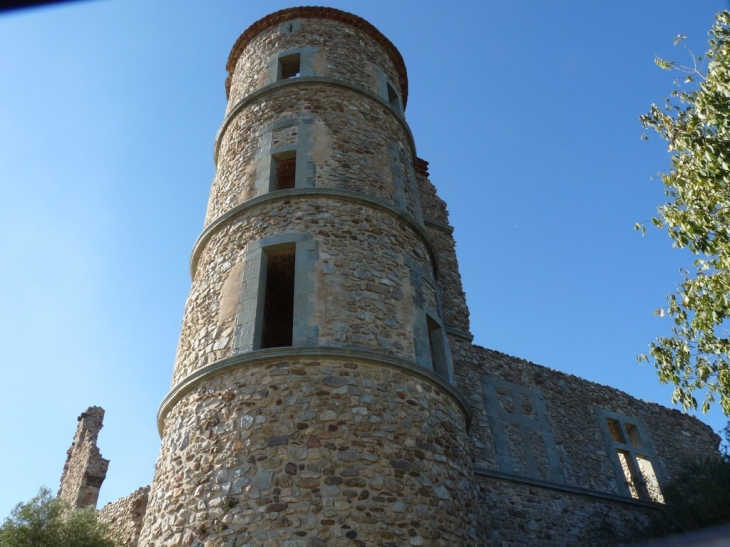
x,y
698,497
46,521
696,125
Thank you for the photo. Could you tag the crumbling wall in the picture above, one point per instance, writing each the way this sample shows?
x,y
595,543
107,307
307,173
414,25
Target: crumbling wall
x,y
557,459
436,220
502,389
85,469
125,516
549,469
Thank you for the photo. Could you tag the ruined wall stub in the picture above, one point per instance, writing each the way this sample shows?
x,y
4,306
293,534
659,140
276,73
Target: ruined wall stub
x,y
85,469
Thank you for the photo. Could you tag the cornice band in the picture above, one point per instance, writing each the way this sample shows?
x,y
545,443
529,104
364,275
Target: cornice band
x,y
493,474
334,193
309,80
254,358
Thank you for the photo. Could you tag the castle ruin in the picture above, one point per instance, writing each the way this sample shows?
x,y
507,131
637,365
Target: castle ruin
x,y
326,390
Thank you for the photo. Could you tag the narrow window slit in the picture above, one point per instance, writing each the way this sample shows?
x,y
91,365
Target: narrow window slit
x,y
278,316
436,343
393,97
285,171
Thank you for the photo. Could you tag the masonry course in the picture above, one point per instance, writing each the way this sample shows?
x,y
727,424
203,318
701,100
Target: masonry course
x,y
380,423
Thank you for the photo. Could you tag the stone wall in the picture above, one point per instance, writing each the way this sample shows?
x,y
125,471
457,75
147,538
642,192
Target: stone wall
x,y
541,443
355,431
550,466
574,410
362,294
339,52
309,452
125,516
85,469
342,139
515,514
436,218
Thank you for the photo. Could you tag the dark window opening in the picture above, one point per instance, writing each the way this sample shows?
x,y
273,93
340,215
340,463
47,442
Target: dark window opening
x,y
436,343
278,317
393,97
289,67
285,171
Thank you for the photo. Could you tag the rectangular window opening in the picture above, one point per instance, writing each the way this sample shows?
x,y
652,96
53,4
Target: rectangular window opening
x,y
278,312
289,67
633,434
625,459
615,428
651,483
285,171
393,98
436,343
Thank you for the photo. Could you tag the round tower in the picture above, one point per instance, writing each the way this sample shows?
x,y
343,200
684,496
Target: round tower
x,y
312,400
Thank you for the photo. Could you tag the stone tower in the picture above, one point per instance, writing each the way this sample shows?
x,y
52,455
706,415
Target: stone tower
x,y
313,399
85,469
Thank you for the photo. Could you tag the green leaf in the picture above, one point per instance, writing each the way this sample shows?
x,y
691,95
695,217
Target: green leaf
x,y
696,126
663,64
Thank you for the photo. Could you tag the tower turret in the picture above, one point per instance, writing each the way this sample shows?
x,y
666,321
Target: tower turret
x,y
312,400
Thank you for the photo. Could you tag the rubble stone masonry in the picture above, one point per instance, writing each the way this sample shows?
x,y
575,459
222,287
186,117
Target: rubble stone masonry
x,y
124,517
302,451
85,469
375,421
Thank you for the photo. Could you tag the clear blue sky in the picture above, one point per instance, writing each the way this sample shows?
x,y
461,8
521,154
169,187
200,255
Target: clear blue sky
x,y
527,112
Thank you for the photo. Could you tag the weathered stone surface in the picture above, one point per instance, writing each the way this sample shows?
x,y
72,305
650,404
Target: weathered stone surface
x,y
333,479
345,312
286,449
343,53
125,517
85,469
570,403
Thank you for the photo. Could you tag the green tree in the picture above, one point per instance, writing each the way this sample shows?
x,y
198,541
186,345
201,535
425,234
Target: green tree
x,y
46,521
696,124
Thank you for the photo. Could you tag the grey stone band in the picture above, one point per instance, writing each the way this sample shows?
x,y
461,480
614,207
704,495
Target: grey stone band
x,y
491,473
440,225
308,80
336,193
254,358
459,333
